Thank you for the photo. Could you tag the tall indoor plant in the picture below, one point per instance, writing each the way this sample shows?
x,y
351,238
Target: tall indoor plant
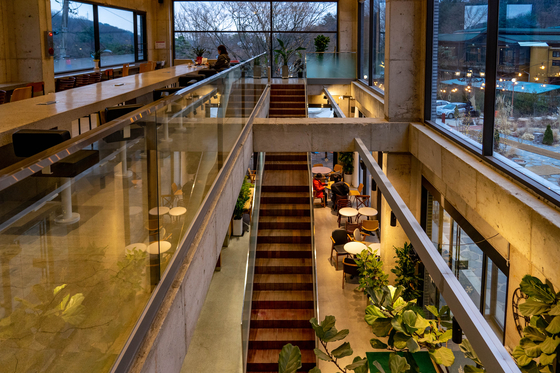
x,y
244,195
347,161
285,54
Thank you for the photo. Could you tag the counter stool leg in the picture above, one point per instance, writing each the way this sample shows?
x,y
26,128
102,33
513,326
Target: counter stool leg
x,y
67,217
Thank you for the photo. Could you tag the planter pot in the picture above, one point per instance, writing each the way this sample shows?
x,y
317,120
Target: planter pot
x,y
348,178
300,74
96,63
285,72
237,227
257,72
198,60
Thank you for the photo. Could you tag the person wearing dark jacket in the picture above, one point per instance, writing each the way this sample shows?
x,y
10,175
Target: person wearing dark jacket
x,y
339,190
223,59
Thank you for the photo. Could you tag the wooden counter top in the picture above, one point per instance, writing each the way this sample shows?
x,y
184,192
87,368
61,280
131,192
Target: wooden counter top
x,y
79,102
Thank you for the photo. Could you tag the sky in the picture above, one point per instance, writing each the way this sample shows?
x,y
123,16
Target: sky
x,y
115,17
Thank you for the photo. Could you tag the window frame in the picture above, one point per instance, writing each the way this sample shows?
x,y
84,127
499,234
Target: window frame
x,y
373,20
97,43
486,153
270,31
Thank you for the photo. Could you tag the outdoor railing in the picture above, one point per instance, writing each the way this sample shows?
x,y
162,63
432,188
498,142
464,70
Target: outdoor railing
x,y
93,231
331,65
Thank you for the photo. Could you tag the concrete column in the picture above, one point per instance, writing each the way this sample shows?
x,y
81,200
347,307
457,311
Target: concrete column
x,y
356,175
397,169
347,25
404,59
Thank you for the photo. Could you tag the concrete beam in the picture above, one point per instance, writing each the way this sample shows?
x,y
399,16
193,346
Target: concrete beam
x,y
328,134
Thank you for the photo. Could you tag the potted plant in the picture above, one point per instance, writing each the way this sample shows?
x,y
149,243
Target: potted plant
x,y
199,52
96,58
285,53
257,72
299,65
321,44
244,195
405,269
347,160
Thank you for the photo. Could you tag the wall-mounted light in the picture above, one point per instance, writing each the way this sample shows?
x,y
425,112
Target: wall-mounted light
x,y
456,332
393,219
543,67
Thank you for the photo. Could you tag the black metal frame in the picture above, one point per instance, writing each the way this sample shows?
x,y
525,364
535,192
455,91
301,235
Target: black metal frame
x,y
373,19
97,43
486,152
270,31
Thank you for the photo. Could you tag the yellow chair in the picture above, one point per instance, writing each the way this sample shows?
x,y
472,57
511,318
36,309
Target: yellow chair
x,y
337,168
21,94
354,193
370,225
145,67
125,69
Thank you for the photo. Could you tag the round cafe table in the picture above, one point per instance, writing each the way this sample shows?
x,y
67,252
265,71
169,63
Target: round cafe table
x,y
321,170
367,211
354,247
161,210
348,212
158,247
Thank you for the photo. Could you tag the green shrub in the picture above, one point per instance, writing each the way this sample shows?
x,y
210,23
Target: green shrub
x,y
244,195
406,272
548,138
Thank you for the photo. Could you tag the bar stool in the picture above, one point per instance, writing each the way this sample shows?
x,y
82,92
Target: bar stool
x,y
21,94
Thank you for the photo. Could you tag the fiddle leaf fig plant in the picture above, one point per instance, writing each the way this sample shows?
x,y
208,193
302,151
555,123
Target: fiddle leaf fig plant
x,y
390,315
405,270
371,274
347,161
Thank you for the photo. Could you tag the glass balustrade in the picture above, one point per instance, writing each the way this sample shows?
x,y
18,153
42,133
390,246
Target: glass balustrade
x,y
341,65
85,241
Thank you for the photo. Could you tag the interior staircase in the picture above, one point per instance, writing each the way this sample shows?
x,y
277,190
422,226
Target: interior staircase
x,y
283,284
242,99
287,101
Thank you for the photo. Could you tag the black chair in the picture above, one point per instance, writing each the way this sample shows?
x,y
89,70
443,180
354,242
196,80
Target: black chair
x,y
339,238
114,112
349,267
30,142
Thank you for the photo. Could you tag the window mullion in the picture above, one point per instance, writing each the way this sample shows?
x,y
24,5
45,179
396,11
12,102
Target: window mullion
x,y
491,74
96,30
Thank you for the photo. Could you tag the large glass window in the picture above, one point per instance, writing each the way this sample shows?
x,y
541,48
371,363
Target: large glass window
x,y
372,48
251,28
81,29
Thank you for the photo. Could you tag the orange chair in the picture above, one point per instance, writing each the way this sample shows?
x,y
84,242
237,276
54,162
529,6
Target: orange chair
x,y
125,68
21,94
37,87
109,74
145,67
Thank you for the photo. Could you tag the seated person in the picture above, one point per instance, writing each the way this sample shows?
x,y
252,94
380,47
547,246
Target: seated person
x,y
221,64
339,190
318,186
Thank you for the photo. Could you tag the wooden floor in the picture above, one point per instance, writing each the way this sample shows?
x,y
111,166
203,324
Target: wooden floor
x,y
283,284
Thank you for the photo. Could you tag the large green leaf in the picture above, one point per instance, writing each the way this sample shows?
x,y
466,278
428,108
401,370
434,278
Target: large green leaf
x,y
473,369
377,344
58,288
342,351
358,365
555,310
443,310
337,337
520,357
412,345
533,307
443,355
533,334
321,355
74,311
397,324
289,360
446,336
409,318
381,327
546,359
315,370
373,313
532,367
433,310
538,322
421,323
554,326
469,351
400,340
549,345
533,287
398,364
531,348
328,323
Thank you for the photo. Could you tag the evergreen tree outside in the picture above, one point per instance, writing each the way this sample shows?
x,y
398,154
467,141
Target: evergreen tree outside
x,y
548,138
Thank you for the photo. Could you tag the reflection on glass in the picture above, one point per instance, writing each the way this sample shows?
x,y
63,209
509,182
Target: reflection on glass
x,y
72,23
304,16
305,40
495,302
528,91
365,47
459,64
84,244
378,44
116,36
140,36
331,65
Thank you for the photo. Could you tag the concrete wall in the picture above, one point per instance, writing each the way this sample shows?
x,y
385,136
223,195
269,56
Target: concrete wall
x,y
22,41
167,342
347,26
371,104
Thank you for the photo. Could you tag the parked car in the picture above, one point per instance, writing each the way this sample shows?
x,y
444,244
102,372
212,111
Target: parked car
x,y
449,109
442,103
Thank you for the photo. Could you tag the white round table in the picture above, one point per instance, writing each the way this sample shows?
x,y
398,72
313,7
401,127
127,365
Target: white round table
x,y
177,211
321,170
367,211
348,212
161,210
159,247
354,247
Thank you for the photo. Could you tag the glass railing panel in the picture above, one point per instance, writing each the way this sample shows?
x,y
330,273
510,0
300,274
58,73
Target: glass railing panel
x,y
77,246
85,242
341,65
251,256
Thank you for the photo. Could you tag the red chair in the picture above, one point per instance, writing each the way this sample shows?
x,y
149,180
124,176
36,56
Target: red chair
x,y
109,74
36,88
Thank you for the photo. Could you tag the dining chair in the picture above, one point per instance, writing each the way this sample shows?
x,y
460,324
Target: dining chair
x,y
109,74
315,193
2,97
362,200
252,175
145,67
64,84
37,87
82,80
337,168
354,193
341,203
21,94
95,77
125,69
370,226
339,238
349,267
351,227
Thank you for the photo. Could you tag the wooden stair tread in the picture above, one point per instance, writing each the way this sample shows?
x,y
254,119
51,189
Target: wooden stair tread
x,y
285,206
285,219
283,247
282,334
282,262
271,356
282,314
284,194
284,232
283,295
283,279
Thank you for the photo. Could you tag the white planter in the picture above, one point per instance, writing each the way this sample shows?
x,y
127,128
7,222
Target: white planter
x,y
96,65
285,72
257,72
348,178
237,227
